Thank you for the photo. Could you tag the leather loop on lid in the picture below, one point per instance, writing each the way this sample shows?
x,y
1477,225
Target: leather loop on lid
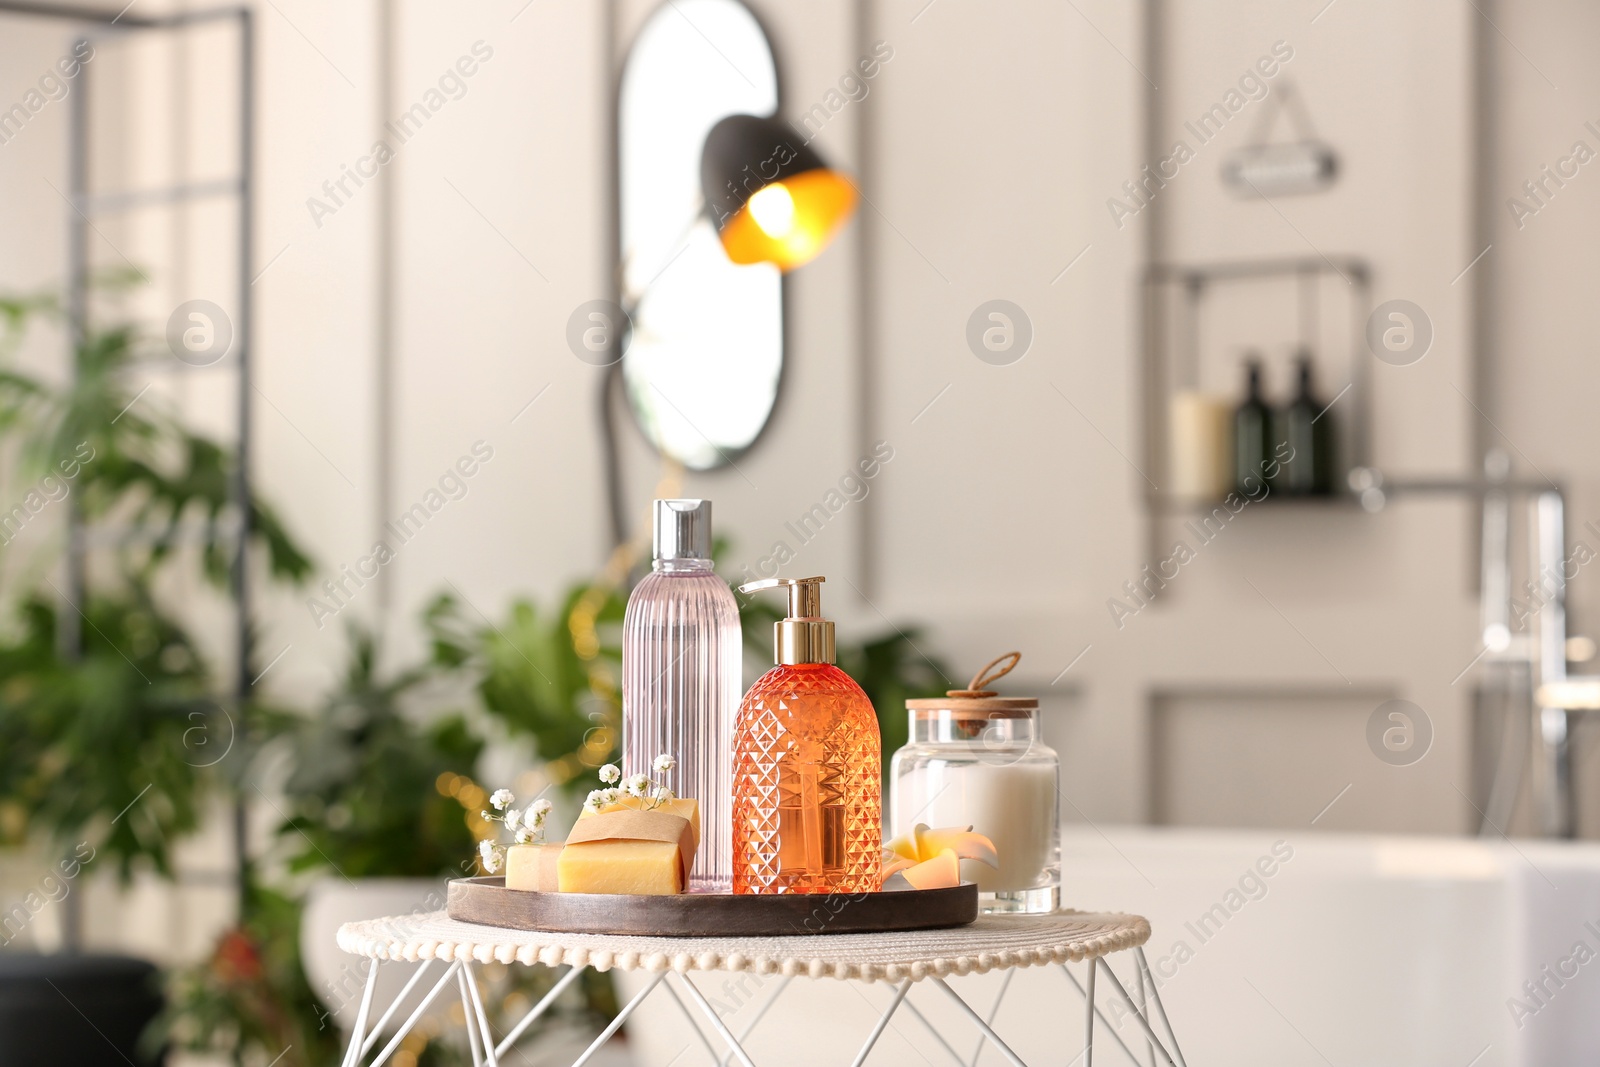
x,y
975,688
975,700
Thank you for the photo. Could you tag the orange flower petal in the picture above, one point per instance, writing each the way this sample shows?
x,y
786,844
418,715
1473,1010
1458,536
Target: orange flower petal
x,y
905,846
894,867
966,844
941,872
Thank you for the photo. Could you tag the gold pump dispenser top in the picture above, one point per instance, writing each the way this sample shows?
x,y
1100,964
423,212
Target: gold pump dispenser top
x,y
805,636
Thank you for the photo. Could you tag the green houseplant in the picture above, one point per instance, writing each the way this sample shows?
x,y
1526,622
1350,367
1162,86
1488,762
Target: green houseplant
x,y
114,728
364,795
129,711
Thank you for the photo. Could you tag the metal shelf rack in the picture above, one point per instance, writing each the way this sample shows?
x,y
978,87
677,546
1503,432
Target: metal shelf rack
x,y
106,25
1171,298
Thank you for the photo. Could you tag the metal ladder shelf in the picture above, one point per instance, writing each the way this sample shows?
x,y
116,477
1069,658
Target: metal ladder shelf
x,y
101,25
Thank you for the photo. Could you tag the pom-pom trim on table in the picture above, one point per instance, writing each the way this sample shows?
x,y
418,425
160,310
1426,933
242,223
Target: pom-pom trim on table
x,y
994,941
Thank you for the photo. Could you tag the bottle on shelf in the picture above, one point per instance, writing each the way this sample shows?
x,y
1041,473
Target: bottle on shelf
x,y
807,814
1252,433
1308,432
681,662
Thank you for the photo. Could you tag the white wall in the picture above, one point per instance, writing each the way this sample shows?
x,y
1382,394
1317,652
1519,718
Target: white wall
x,y
1011,510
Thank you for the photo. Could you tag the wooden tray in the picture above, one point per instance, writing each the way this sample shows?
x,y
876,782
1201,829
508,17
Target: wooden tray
x,y
489,902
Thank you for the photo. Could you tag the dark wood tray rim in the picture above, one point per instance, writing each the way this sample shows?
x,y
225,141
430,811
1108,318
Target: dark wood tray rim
x,y
486,901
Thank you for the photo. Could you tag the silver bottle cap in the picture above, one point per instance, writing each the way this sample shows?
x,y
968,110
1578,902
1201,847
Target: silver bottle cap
x,y
682,529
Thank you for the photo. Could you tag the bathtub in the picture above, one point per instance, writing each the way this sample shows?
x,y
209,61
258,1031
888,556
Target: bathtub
x,y
1269,948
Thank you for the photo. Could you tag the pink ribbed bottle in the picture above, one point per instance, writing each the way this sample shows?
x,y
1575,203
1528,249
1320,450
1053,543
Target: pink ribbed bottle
x,y
681,680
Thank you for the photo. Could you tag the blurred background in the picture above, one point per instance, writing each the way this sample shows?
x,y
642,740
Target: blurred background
x,y
432,288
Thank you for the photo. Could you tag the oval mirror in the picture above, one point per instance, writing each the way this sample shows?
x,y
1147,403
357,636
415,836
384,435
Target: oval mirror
x,y
703,367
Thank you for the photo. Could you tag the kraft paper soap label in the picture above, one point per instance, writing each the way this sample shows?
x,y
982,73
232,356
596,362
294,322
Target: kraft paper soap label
x,y
639,826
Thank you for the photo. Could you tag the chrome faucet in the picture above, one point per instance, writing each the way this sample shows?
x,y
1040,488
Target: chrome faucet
x,y
1525,669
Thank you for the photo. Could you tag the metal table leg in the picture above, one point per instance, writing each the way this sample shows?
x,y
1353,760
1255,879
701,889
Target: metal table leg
x,y
994,1010
1088,1016
622,1017
1161,1009
883,1021
361,1014
750,1026
717,1024
690,1019
537,1010
486,1052
983,1027
405,1028
475,1010
1101,1015
466,1013
377,1028
937,1036
1144,1004
1137,1014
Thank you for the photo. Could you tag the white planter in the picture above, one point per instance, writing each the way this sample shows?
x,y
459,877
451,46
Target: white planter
x,y
337,977
34,893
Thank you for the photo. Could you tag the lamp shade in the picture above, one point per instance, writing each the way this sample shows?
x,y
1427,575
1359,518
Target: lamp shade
x,y
770,196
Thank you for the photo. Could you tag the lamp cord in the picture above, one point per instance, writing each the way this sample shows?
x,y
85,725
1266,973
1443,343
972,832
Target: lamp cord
x,y
610,455
610,448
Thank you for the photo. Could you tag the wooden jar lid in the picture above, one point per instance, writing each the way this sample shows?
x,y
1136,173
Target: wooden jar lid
x,y
977,702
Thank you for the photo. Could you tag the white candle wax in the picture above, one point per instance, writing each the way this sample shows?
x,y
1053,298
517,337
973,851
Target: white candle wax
x,y
1012,804
1200,446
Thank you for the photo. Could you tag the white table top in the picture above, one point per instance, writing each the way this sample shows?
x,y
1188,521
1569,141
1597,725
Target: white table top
x,y
993,941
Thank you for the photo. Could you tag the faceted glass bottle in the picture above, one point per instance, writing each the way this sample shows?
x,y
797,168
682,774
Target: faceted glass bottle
x,y
807,815
681,658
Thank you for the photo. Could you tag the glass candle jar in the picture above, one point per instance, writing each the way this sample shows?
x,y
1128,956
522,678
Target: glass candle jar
x,y
978,759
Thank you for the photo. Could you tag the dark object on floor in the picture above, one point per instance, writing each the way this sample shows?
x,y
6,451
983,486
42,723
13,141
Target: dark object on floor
x,y
82,1011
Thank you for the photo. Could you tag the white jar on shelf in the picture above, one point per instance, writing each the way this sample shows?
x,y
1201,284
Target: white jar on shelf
x,y
977,758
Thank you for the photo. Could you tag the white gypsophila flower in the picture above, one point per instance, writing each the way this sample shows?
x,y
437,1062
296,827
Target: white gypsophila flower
x,y
637,785
663,794
540,808
592,802
501,799
513,819
525,836
487,816
610,774
664,763
489,855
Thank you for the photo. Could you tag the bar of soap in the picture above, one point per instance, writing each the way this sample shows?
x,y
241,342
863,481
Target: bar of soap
x,y
684,806
647,868
533,867
631,847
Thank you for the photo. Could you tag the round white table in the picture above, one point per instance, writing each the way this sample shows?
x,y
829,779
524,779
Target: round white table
x,y
993,942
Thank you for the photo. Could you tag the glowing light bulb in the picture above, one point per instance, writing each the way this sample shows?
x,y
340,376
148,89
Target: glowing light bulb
x,y
773,210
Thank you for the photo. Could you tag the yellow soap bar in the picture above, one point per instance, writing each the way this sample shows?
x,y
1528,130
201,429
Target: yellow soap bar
x,y
650,868
683,806
533,867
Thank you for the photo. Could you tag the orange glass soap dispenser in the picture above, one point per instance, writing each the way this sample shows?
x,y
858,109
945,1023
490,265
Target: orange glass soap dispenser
x,y
806,785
